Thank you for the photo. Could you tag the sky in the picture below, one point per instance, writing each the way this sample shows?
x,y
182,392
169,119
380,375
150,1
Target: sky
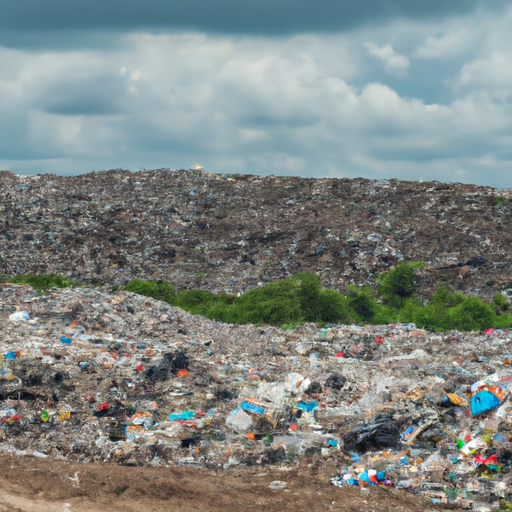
x,y
332,88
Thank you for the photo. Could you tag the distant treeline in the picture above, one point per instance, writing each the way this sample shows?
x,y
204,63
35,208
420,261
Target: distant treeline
x,y
301,298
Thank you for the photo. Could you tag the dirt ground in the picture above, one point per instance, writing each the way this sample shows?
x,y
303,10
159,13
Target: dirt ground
x,y
28,484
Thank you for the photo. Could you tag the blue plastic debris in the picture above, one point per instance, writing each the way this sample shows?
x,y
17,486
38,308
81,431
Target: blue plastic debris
x,y
185,415
308,407
484,401
410,430
250,407
355,457
499,438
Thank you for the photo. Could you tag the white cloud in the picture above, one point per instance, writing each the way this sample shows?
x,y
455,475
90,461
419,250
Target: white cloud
x,y
308,104
394,63
492,74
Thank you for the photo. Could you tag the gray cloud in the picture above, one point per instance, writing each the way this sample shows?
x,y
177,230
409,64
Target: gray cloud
x,y
224,16
409,98
95,95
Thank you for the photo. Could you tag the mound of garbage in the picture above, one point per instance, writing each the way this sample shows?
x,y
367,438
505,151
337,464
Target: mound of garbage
x,y
233,232
117,377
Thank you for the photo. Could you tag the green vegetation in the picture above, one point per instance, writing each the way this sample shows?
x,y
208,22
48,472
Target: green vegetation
x,y
157,289
397,285
41,282
301,298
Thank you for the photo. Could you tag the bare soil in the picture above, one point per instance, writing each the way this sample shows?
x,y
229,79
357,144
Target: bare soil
x,y
30,484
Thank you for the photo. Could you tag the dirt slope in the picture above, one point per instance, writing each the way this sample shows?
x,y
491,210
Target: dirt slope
x,y
30,485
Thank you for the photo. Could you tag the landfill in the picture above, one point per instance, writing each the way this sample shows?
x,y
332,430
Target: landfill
x,y
234,232
91,375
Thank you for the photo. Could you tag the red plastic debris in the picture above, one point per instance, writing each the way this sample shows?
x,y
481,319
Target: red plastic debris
x,y
340,354
183,372
103,406
140,367
379,339
493,459
489,331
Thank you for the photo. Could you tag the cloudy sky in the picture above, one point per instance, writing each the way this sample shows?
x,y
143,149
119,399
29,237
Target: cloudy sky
x,y
380,89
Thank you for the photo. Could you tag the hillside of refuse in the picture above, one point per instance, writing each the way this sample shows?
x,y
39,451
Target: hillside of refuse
x,y
225,232
91,376
355,413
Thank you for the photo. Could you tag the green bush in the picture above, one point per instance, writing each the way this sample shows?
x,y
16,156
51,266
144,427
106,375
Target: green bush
x,y
409,311
334,308
445,298
43,281
160,290
501,302
308,294
503,321
473,314
290,302
385,315
199,302
363,303
275,303
398,284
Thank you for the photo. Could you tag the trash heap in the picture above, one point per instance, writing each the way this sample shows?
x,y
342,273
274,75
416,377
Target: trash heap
x,y
234,232
116,377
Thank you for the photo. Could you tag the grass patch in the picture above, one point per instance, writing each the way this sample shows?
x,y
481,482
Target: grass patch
x,y
41,282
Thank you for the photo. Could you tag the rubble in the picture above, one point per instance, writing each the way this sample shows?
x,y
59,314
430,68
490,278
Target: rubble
x,y
225,232
116,377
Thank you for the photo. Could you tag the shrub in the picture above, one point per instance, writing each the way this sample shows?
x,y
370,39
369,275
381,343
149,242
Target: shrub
x,y
362,302
435,314
195,301
160,290
384,315
445,298
503,321
501,302
409,311
43,281
334,308
398,284
473,314
308,294
275,304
